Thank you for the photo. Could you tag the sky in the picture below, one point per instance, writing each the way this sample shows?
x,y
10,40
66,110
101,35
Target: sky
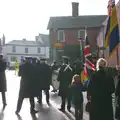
x,y
27,18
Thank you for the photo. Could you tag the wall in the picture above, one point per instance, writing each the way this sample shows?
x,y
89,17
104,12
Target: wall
x,y
32,51
71,38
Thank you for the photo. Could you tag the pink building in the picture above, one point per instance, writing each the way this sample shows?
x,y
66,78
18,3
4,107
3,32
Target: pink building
x,y
100,40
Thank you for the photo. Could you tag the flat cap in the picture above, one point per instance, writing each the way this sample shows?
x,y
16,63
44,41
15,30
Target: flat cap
x,y
42,59
66,57
28,57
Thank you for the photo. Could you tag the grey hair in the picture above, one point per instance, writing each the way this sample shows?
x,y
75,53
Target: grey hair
x,y
101,63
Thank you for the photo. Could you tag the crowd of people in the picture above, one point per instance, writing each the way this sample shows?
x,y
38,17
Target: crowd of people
x,y
37,76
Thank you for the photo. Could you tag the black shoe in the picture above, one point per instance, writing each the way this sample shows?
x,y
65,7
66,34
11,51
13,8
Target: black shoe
x,y
61,109
40,102
17,112
34,111
48,103
4,106
68,108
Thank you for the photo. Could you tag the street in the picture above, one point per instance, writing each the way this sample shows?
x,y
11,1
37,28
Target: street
x,y
45,112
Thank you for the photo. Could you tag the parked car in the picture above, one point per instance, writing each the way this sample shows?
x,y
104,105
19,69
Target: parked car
x,y
11,66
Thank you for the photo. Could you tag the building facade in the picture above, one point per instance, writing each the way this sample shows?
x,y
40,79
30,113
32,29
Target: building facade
x,y
72,31
18,49
112,61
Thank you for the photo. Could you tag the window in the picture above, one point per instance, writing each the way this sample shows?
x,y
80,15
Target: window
x,y
81,34
38,50
60,36
13,48
26,50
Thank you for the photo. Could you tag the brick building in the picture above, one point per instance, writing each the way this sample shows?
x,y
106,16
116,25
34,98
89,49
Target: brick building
x,y
66,33
100,41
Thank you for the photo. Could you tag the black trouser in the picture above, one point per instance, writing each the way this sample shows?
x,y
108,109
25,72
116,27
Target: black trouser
x,y
79,112
63,102
20,101
47,96
3,97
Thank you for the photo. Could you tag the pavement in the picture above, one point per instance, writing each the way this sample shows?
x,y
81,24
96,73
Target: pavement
x,y
45,112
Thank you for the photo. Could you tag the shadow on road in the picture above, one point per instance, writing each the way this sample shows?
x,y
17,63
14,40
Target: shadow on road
x,y
19,117
1,115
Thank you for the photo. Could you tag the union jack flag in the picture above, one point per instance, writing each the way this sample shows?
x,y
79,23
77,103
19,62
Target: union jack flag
x,y
88,56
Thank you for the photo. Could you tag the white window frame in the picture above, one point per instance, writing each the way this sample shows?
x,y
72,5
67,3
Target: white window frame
x,y
78,34
27,49
58,36
38,50
14,49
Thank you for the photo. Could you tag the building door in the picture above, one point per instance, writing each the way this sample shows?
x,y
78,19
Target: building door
x,y
60,53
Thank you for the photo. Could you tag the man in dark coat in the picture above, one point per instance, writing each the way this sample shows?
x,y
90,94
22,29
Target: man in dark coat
x,y
117,94
45,77
3,87
100,89
28,88
77,66
65,78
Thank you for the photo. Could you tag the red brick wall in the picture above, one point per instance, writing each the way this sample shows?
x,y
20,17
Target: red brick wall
x,y
71,36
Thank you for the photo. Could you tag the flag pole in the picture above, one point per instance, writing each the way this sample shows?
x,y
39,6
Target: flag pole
x,y
103,40
117,54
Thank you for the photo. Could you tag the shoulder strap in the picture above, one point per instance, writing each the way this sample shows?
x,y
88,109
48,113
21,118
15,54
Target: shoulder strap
x,y
67,67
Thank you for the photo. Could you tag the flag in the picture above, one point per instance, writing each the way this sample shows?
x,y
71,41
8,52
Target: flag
x,y
88,55
84,76
114,31
107,34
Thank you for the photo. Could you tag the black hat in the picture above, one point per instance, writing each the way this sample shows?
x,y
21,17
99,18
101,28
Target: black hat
x,y
42,59
66,57
28,57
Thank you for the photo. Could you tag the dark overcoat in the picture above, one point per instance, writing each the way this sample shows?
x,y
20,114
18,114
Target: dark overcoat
x,y
3,86
29,83
100,89
45,76
117,94
65,80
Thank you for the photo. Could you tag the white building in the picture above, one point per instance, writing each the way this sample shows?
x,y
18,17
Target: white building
x,y
18,49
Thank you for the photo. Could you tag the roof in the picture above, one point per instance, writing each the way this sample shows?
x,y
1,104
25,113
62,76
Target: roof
x,y
76,22
25,43
45,39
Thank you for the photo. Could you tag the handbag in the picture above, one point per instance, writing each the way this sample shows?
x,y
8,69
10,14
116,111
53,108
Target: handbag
x,y
87,106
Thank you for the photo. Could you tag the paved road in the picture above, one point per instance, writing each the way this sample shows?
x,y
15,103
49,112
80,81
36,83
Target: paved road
x,y
45,112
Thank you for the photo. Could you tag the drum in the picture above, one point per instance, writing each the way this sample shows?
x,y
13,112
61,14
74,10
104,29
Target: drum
x,y
55,83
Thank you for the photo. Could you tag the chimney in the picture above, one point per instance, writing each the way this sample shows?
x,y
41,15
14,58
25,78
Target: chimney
x,y
24,39
36,38
75,9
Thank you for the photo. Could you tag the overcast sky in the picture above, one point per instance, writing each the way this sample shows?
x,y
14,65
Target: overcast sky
x,y
26,18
